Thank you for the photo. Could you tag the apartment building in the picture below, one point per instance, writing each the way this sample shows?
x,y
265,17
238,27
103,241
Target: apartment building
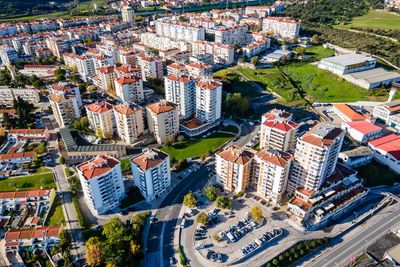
x,y
128,13
153,40
102,183
234,167
257,47
151,173
196,70
65,108
86,67
221,54
7,95
179,31
386,110
208,100
8,55
101,118
278,131
129,121
315,157
129,89
163,120
181,91
282,27
231,36
105,78
16,135
62,88
151,67
271,169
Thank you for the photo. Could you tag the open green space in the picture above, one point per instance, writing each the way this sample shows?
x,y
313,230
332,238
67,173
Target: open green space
x,y
126,165
375,174
296,252
234,83
320,52
230,128
43,180
376,20
196,148
56,215
81,218
132,196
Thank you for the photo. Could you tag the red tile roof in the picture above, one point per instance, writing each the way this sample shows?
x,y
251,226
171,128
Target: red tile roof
x,y
272,156
390,144
38,232
126,109
363,127
162,107
350,113
97,166
100,107
25,194
149,159
236,155
208,84
9,156
127,80
282,126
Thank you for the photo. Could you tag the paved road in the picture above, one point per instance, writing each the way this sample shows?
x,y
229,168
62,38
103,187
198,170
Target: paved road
x,y
247,133
161,233
353,244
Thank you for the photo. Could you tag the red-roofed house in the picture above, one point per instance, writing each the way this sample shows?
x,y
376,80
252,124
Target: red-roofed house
x,y
102,184
44,237
387,151
362,131
347,113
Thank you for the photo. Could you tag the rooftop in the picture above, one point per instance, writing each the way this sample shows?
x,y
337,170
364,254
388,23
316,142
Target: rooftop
x,y
390,144
97,166
236,155
375,75
364,127
348,59
162,107
149,159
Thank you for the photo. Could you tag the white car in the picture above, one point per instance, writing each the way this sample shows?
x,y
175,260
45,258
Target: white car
x,y
199,246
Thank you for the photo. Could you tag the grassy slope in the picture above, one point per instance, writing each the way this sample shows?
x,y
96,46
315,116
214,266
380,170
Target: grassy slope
x,y
56,216
377,20
189,149
43,180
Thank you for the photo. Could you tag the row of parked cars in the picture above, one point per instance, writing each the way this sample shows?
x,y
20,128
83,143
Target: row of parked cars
x,y
213,256
200,233
261,241
235,232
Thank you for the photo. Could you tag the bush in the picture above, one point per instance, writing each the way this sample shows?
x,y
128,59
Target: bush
x,y
189,200
240,194
211,193
182,258
202,218
224,202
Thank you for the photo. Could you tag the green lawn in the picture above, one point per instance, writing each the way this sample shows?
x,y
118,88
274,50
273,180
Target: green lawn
x,y
81,218
43,180
126,165
199,147
230,128
56,215
376,20
318,85
320,52
376,175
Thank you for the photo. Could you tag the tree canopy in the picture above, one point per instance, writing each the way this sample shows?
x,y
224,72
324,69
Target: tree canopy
x,y
202,218
210,192
224,202
189,200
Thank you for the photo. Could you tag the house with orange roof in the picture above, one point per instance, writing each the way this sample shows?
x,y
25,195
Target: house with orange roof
x,y
348,113
151,173
102,183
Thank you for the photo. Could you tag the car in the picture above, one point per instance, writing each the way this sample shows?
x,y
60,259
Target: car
x,y
171,261
124,212
198,238
199,246
204,228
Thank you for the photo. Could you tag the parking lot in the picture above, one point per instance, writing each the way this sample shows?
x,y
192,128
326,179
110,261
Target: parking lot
x,y
232,236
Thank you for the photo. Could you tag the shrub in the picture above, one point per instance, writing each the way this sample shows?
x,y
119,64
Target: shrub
x,y
224,202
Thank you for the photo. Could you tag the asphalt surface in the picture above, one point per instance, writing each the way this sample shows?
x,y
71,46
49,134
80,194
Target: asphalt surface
x,y
161,233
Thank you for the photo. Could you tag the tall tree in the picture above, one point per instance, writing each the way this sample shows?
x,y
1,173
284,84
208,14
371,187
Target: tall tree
x,y
114,230
189,200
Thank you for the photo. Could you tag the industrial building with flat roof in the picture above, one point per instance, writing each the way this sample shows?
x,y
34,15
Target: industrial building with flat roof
x,y
373,78
348,63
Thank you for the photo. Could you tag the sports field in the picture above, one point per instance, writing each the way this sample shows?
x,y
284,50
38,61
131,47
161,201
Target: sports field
x,y
377,20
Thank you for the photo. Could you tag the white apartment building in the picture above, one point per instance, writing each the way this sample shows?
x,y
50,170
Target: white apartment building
x,y
153,40
86,67
198,69
163,120
315,157
105,79
281,27
65,108
278,131
128,14
231,36
102,183
386,110
151,173
129,89
63,88
181,91
8,55
234,167
151,67
7,95
271,169
179,31
101,118
208,100
129,121
256,47
221,54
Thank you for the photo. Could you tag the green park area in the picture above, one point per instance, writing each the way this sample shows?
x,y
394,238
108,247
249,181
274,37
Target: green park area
x,y
196,148
376,20
56,215
42,180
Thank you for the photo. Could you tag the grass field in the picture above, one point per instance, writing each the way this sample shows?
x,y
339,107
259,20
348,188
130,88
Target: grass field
x,y
233,83
43,180
376,20
320,52
56,215
199,147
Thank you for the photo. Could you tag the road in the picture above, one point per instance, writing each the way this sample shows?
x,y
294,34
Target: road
x,y
353,244
161,235
247,133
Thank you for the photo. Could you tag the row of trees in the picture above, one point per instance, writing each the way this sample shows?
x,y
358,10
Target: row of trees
x,y
24,117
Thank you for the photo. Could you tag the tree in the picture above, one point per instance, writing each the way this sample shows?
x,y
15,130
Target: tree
x,y
181,138
91,88
256,213
189,200
41,148
281,258
275,262
135,247
62,160
183,19
99,133
300,50
315,39
236,105
60,74
224,202
94,255
74,184
210,192
24,111
64,240
202,218
254,60
114,230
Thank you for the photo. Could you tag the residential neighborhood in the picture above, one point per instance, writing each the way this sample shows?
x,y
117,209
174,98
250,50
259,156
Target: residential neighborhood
x,y
200,133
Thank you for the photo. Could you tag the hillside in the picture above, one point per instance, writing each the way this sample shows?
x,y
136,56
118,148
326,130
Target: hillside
x,y
17,8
